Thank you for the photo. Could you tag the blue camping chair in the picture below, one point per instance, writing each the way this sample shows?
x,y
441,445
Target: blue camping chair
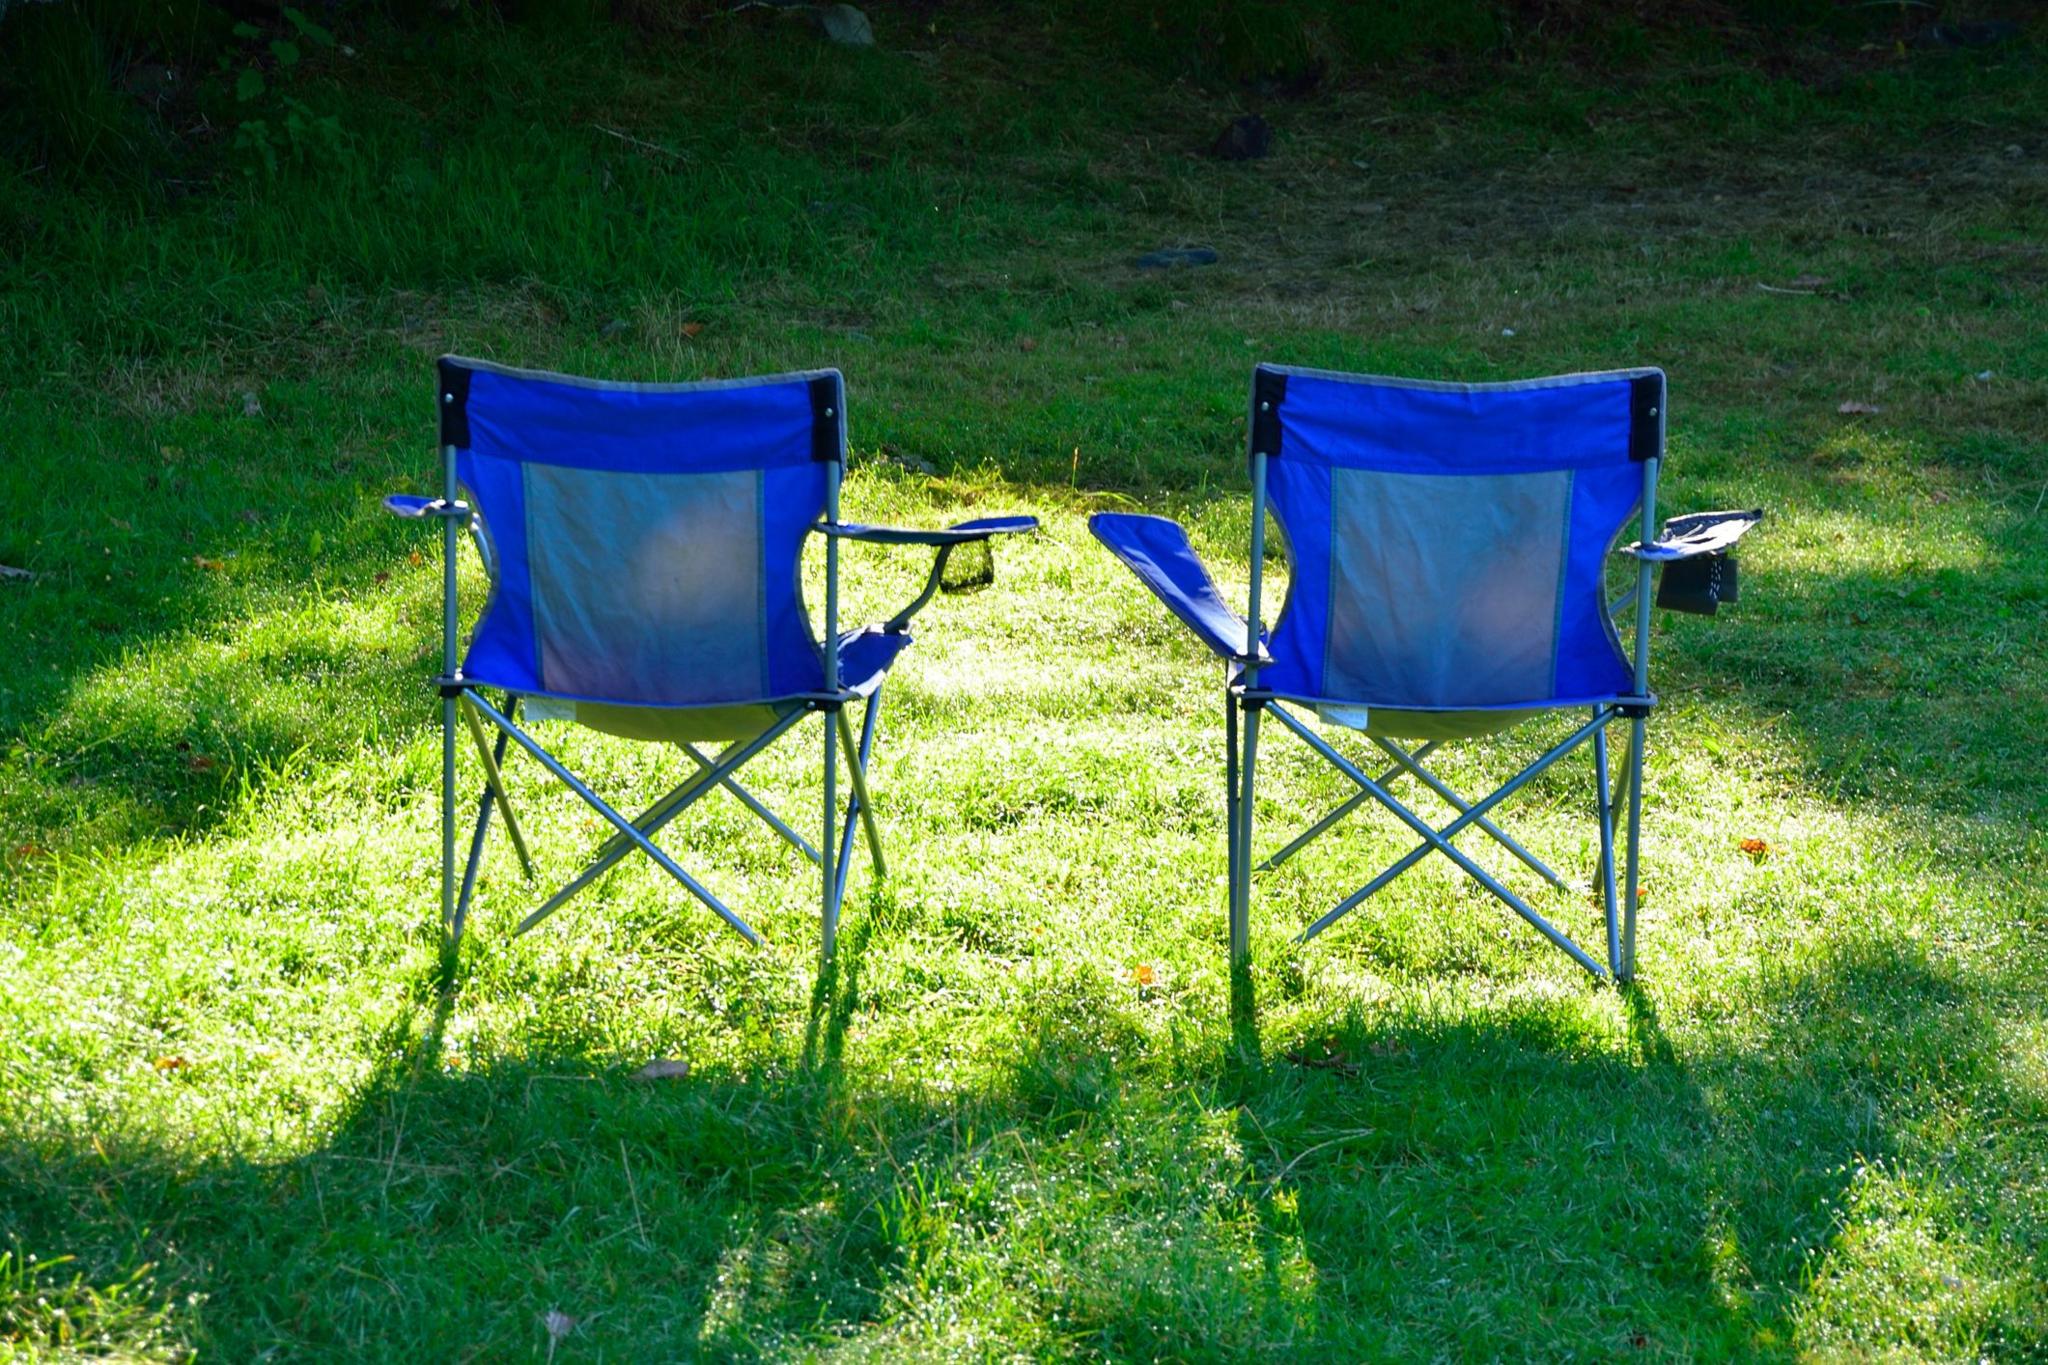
x,y
644,545
1447,546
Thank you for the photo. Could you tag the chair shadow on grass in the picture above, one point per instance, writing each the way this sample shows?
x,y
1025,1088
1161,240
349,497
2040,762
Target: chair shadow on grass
x,y
1411,1197
1659,1195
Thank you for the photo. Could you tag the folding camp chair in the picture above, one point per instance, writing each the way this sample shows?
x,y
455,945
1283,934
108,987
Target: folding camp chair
x,y
1447,546
644,544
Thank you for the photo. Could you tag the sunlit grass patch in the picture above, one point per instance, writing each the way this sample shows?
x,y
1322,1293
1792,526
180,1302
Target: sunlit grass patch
x,y
1017,1118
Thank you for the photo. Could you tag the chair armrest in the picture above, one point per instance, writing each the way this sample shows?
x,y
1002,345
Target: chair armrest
x,y
1157,551
1700,533
958,534
945,542
413,507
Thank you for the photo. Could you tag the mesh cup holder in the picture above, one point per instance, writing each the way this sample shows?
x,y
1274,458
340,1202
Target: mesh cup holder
x,y
969,567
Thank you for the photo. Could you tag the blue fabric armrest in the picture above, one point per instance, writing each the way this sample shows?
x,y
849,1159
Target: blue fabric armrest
x,y
1701,533
413,507
1158,552
952,535
408,505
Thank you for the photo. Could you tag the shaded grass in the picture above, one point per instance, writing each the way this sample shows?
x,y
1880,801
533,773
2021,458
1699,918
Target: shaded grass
x,y
238,1096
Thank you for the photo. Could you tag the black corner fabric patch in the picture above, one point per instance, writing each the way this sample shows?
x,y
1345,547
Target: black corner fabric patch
x,y
1646,418
452,397
1269,391
827,406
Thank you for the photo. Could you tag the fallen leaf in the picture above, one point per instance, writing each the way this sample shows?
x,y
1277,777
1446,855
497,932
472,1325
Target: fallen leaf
x,y
1027,344
1755,848
24,852
200,763
170,1064
414,557
1853,408
211,565
663,1069
1806,281
1143,975
691,329
383,578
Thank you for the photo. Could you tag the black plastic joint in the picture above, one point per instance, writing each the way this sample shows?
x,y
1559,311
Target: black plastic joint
x,y
1646,417
1636,710
828,418
452,398
1269,392
451,690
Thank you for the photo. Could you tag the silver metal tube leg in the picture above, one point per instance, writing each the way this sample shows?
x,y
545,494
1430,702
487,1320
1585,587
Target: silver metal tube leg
x,y
1232,799
1246,803
1450,831
1461,805
828,909
483,828
1440,840
857,779
449,606
754,804
494,781
1605,810
1635,838
448,924
651,820
619,822
860,762
1351,803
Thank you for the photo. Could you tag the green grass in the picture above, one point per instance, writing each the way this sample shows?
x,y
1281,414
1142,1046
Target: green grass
x,y
239,1117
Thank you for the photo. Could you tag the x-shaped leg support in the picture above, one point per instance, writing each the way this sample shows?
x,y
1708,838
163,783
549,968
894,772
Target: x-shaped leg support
x,y
1440,839
712,774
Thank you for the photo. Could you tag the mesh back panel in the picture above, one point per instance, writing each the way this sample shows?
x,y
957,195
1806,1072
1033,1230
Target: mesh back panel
x,y
647,587
1444,591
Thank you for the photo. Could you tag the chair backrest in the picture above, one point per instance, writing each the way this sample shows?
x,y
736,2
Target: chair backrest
x,y
1447,542
647,539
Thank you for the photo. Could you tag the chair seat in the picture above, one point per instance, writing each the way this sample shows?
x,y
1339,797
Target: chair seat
x,y
865,657
1437,725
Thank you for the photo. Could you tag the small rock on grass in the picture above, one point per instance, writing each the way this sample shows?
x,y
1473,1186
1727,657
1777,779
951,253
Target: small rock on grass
x,y
663,1069
1172,257
1247,139
847,26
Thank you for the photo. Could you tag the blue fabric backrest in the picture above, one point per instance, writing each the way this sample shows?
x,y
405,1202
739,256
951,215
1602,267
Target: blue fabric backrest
x,y
648,538
1447,542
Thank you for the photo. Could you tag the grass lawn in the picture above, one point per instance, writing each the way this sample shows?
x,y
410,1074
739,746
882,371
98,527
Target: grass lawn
x,y
241,1118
